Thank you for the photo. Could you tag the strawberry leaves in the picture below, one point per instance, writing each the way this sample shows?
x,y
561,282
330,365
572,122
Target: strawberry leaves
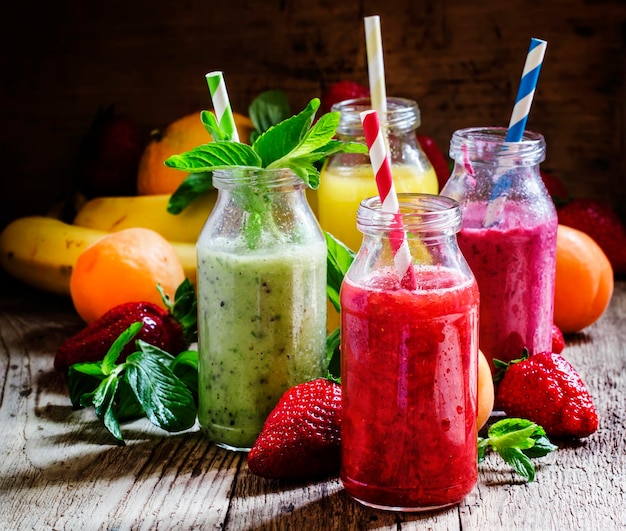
x,y
149,382
516,441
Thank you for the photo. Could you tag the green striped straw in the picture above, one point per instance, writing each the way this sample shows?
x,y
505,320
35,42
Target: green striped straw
x,y
221,104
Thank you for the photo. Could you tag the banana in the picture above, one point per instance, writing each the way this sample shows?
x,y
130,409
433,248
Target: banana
x,y
148,211
41,252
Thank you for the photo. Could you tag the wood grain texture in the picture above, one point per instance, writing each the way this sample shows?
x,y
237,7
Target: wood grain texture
x,y
59,470
460,61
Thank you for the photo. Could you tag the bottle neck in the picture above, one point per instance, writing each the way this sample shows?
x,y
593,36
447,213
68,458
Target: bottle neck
x,y
487,146
423,216
428,223
281,180
401,118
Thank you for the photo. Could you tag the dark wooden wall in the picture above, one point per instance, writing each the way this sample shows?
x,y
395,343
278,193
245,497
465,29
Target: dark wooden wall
x,y
461,61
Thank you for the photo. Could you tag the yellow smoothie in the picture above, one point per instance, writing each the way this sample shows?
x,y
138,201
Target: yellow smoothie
x,y
343,188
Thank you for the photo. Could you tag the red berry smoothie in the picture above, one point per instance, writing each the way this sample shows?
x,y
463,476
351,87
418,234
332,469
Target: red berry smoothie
x,y
409,379
514,265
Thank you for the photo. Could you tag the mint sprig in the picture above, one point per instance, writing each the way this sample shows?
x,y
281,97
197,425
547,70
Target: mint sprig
x,y
150,382
297,143
517,441
184,308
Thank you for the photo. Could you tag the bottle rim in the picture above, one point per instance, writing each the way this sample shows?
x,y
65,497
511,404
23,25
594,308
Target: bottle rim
x,y
488,145
402,115
423,215
234,176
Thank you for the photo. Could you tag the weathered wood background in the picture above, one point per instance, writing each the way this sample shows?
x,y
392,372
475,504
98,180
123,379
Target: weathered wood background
x,y
461,61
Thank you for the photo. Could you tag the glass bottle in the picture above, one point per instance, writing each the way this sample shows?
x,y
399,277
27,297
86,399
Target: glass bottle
x,y
346,179
261,301
409,361
508,237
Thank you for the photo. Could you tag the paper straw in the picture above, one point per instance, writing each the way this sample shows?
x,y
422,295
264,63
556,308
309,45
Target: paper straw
x,y
375,64
517,124
526,91
221,104
388,197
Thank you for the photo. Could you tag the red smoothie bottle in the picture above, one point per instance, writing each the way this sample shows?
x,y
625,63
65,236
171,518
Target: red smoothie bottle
x,y
508,237
409,362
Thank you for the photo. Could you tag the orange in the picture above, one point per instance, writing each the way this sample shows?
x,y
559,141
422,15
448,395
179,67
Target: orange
x,y
121,267
584,280
486,393
182,135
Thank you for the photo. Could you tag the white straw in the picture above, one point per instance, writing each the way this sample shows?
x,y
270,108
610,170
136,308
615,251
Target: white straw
x,y
376,65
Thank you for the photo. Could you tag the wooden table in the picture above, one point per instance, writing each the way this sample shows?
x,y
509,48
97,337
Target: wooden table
x,y
59,470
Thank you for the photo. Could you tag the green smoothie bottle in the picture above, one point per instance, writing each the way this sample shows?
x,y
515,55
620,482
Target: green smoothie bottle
x,y
261,301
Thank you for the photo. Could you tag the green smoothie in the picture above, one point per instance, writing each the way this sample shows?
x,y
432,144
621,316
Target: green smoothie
x,y
266,333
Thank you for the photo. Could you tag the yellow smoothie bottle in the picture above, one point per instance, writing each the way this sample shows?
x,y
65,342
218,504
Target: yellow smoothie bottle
x,y
347,179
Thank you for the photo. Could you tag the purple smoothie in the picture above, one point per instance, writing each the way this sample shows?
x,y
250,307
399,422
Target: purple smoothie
x,y
514,265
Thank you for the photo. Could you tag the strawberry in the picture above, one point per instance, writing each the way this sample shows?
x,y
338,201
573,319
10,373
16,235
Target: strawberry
x,y
301,436
340,91
555,188
599,221
109,155
436,158
558,341
546,389
171,330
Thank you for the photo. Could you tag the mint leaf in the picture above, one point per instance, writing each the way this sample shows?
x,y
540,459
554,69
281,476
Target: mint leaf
x,y
282,138
103,400
83,379
315,145
516,441
127,406
209,120
267,109
514,436
184,308
338,258
185,367
166,401
519,462
188,358
108,363
542,446
215,155
313,139
194,185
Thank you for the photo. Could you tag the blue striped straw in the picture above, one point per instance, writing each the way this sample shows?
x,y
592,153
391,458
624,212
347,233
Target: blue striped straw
x,y
526,90
517,125
221,104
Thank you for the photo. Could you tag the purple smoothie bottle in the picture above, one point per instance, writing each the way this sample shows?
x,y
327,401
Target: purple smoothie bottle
x,y
508,237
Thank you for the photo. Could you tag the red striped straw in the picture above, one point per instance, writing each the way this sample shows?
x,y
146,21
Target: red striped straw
x,y
388,197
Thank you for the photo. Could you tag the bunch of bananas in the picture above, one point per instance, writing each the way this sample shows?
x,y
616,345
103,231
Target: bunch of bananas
x,y
41,251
